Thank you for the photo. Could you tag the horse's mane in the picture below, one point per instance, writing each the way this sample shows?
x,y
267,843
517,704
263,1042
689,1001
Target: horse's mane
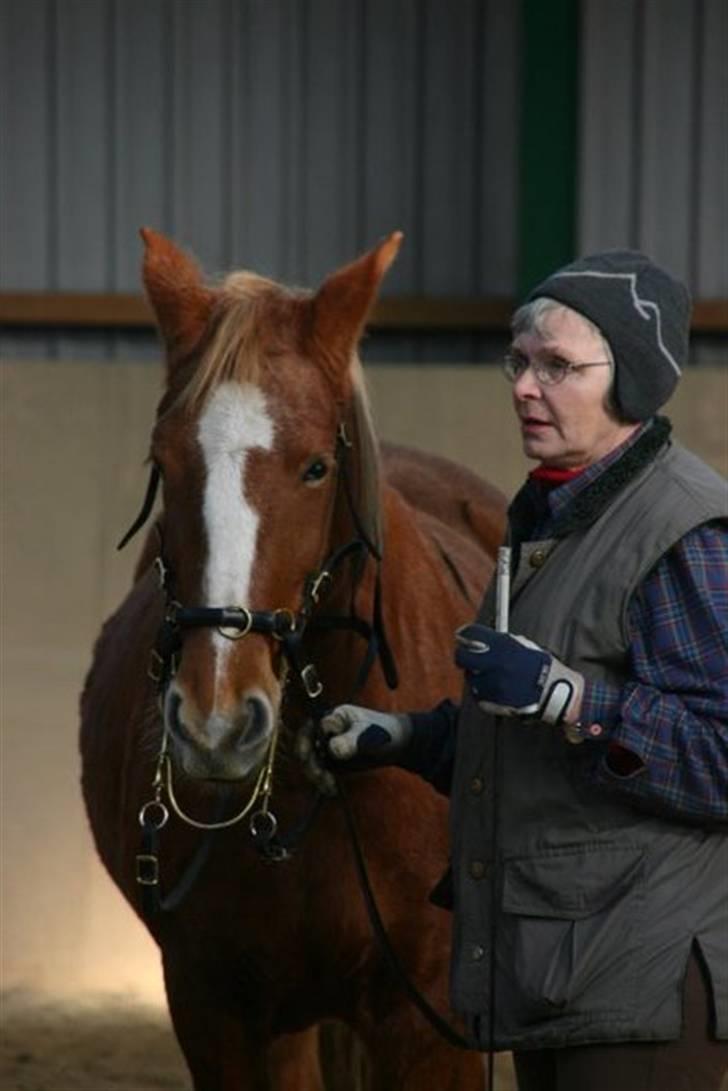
x,y
365,469
256,319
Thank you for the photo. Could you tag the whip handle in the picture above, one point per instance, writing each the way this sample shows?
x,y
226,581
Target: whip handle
x,y
503,589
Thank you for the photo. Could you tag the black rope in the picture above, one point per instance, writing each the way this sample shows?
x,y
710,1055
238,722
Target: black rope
x,y
149,877
275,848
423,1006
147,504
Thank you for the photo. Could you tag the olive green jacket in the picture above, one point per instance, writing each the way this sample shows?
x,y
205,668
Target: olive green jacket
x,y
590,905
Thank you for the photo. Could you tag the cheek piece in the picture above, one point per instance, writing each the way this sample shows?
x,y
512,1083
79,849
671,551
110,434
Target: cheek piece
x,y
511,676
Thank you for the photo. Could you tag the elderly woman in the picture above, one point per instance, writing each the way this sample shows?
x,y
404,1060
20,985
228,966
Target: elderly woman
x,y
588,762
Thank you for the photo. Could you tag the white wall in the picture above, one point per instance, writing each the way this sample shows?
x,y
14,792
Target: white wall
x,y
74,439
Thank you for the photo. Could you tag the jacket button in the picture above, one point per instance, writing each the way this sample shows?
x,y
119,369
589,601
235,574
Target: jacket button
x,y
477,952
478,869
476,785
537,558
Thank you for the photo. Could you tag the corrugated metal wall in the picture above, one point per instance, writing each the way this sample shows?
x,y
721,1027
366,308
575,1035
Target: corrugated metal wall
x,y
654,134
283,135
287,135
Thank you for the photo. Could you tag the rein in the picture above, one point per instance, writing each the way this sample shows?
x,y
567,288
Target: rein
x,y
235,623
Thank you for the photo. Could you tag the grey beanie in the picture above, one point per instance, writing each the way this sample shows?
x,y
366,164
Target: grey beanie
x,y
643,312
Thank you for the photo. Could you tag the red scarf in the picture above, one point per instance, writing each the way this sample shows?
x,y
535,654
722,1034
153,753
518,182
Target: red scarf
x,y
552,476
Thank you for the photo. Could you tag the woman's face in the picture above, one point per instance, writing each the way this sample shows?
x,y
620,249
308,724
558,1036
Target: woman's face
x,y
569,424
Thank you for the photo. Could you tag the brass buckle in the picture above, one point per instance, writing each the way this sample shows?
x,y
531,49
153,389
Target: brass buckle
x,y
155,667
161,572
170,614
317,583
290,617
147,869
311,681
235,633
153,814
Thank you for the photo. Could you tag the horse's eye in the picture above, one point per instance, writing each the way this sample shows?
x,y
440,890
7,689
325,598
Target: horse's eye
x,y
316,471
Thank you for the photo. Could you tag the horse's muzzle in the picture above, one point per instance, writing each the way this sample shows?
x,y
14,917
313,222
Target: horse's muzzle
x,y
221,746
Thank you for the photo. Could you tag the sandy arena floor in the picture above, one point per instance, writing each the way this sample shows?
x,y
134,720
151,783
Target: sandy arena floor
x,y
112,1044
100,1044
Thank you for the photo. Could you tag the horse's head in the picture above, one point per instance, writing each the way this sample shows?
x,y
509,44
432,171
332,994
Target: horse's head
x,y
259,381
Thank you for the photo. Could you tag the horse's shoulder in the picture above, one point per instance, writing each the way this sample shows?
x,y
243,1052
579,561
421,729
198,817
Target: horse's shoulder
x,y
127,630
456,499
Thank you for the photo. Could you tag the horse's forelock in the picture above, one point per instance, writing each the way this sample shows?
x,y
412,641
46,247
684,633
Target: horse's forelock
x,y
253,317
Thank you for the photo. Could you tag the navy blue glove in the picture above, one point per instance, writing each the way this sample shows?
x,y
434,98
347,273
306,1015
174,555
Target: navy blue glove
x,y
511,676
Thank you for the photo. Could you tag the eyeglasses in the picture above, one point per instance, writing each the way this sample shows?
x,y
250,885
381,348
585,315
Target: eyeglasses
x,y
548,372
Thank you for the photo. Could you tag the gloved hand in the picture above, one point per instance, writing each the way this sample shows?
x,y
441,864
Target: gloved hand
x,y
512,676
358,738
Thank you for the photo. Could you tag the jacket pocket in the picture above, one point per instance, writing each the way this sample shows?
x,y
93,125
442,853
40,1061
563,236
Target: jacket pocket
x,y
572,924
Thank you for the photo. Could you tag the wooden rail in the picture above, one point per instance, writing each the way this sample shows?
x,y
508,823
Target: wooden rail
x,y
406,313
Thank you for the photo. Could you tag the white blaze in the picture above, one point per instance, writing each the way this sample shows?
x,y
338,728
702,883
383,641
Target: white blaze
x,y
234,421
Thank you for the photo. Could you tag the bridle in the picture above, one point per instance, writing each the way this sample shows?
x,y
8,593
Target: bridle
x,y
286,626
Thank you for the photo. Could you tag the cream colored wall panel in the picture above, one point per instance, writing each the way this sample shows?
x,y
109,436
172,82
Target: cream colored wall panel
x,y
74,439
64,436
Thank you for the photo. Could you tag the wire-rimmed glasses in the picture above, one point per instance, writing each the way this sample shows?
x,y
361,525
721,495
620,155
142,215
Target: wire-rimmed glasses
x,y
549,371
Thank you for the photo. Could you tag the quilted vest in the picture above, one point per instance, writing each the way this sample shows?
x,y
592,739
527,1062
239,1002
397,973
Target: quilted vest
x,y
590,905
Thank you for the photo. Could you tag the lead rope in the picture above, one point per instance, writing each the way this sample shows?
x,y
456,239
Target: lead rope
x,y
432,1016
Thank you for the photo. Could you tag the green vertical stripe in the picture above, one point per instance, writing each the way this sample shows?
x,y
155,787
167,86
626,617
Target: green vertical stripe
x,y
548,138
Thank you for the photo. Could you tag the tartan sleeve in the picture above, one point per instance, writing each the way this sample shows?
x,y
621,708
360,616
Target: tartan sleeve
x,y
673,712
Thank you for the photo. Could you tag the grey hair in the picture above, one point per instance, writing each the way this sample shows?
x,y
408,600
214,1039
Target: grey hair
x,y
531,318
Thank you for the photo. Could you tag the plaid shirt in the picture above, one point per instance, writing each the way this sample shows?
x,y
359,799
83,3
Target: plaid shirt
x,y
664,744
667,727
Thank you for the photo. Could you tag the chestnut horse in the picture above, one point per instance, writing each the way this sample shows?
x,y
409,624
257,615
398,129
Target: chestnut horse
x,y
268,465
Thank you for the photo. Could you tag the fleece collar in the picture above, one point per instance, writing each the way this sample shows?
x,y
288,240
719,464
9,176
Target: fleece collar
x,y
530,508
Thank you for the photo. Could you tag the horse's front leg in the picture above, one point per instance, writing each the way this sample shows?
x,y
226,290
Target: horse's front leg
x,y
227,1059
294,1064
406,1055
222,1050
226,1052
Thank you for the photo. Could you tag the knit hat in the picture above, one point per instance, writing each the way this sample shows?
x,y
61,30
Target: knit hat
x,y
643,313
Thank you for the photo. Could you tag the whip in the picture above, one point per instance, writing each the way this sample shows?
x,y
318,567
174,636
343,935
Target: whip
x,y
502,617
503,589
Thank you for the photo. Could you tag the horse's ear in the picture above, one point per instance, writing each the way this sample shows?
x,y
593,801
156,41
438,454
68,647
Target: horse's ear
x,y
342,303
179,298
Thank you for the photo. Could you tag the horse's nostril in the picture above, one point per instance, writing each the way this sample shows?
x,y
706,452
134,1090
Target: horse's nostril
x,y
174,721
173,706
257,720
